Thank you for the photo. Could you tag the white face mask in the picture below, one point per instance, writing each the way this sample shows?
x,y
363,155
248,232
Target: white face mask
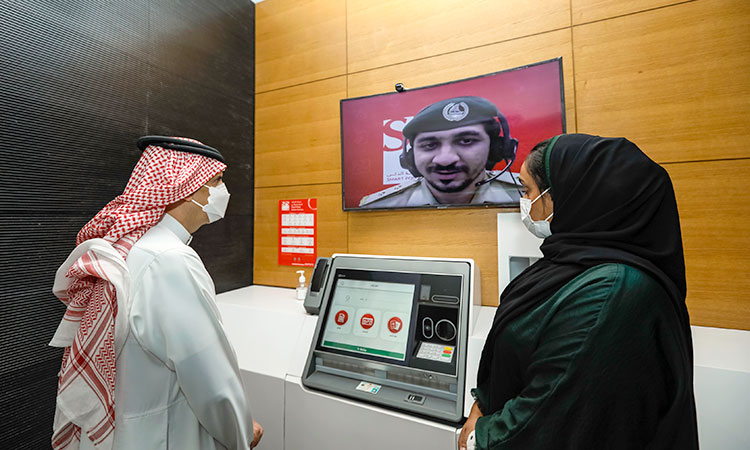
x,y
539,228
218,199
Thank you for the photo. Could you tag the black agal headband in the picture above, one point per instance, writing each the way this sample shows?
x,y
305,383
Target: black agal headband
x,y
180,144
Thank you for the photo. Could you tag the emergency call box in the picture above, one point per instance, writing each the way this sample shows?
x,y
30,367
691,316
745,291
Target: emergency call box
x,y
393,331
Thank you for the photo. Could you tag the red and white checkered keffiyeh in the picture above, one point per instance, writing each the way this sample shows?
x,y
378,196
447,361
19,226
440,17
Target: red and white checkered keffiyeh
x,y
94,284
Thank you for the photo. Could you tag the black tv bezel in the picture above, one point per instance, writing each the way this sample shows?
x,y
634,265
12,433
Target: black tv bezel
x,y
452,205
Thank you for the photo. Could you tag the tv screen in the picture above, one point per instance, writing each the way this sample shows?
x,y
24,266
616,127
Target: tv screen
x,y
456,144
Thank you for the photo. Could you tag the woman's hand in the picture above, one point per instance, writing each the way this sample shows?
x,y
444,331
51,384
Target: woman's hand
x,y
257,434
471,422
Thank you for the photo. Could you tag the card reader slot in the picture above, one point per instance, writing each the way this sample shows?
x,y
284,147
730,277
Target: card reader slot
x,y
431,381
427,390
413,380
348,367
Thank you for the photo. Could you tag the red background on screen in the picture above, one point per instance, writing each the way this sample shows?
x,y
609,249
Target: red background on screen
x,y
530,99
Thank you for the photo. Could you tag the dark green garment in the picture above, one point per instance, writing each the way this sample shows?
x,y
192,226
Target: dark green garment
x,y
593,367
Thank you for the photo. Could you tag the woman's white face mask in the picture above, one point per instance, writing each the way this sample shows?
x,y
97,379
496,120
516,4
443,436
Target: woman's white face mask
x,y
539,228
216,206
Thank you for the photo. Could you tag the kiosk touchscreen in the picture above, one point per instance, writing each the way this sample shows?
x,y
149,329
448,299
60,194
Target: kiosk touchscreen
x,y
393,331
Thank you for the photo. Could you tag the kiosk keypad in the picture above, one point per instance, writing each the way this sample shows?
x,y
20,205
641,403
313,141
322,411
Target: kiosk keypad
x,y
435,352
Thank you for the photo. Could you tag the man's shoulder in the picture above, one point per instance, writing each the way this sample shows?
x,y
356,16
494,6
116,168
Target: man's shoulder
x,y
394,196
163,276
163,248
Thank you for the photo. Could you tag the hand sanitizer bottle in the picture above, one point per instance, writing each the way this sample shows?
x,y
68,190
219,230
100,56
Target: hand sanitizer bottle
x,y
301,288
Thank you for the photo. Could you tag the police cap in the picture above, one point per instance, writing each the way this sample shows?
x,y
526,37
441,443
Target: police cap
x,y
451,113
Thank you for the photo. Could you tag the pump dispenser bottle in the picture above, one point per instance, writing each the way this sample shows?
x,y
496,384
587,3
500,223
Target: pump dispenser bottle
x,y
301,288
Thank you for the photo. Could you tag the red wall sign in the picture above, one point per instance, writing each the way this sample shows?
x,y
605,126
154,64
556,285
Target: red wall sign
x,y
298,224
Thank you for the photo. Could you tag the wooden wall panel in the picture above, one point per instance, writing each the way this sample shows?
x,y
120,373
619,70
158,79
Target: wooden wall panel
x,y
473,62
298,138
382,33
332,230
591,10
679,86
466,233
712,198
297,41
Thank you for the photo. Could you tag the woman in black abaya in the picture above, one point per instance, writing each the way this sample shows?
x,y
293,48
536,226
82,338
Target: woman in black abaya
x,y
590,347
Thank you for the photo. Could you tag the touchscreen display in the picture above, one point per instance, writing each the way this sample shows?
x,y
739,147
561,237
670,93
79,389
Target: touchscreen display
x,y
370,317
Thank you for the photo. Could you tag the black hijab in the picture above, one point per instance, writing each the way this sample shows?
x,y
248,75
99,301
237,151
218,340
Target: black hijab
x,y
612,204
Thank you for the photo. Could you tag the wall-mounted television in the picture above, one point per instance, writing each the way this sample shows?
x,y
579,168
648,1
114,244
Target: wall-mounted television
x,y
456,144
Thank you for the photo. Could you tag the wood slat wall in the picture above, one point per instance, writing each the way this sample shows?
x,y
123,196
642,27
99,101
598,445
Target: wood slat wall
x,y
715,239
672,76
299,41
678,87
381,33
298,131
590,10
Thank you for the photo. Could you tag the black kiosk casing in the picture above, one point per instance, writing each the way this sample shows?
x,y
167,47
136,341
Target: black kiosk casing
x,y
394,331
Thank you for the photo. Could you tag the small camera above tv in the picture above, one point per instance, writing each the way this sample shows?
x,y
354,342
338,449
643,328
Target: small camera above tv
x,y
457,144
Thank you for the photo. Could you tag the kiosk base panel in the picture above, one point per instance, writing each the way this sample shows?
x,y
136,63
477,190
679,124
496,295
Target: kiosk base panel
x,y
316,420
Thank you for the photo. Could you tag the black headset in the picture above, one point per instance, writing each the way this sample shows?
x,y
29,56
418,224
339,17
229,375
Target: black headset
x,y
502,147
182,145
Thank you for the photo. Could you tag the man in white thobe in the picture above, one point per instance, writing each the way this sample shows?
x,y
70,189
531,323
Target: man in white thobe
x,y
177,383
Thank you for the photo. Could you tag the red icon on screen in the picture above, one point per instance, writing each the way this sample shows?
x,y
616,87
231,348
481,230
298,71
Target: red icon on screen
x,y
367,321
395,324
341,317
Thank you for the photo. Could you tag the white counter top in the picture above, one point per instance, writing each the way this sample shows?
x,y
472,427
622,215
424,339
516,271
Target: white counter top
x,y
263,297
263,324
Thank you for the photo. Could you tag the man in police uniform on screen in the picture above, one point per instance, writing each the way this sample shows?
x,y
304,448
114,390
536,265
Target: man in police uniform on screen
x,y
451,147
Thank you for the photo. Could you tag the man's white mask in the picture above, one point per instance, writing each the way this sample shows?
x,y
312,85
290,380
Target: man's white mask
x,y
218,199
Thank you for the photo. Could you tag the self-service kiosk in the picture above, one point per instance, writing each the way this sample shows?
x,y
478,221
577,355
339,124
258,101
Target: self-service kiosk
x,y
389,362
394,332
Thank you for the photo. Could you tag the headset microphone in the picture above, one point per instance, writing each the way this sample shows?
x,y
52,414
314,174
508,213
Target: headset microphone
x,y
508,163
